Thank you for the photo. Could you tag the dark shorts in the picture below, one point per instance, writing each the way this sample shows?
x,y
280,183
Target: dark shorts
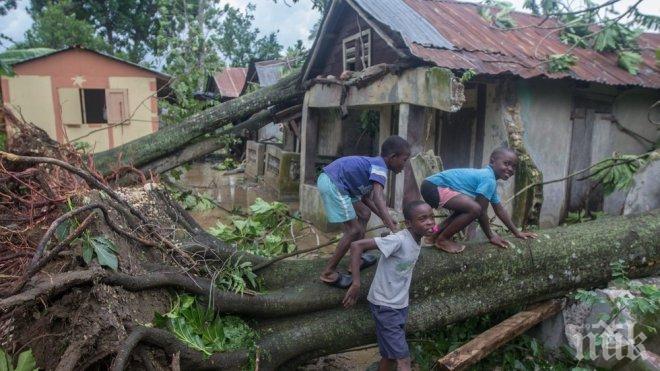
x,y
391,331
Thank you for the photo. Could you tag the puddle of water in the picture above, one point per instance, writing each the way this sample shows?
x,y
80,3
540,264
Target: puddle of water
x,y
232,191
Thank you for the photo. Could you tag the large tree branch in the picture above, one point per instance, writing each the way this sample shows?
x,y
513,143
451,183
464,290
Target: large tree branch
x,y
170,139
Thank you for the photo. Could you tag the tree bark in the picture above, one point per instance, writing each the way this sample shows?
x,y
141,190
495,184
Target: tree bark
x,y
150,148
445,288
450,288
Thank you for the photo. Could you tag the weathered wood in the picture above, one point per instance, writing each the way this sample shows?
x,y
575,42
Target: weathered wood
x,y
507,330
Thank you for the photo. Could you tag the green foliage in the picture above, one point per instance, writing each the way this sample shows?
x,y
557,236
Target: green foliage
x,y
630,61
237,276
12,56
99,247
25,361
644,303
227,164
56,26
196,40
561,62
468,75
599,27
502,17
581,216
127,27
200,328
616,173
3,140
262,233
82,146
193,201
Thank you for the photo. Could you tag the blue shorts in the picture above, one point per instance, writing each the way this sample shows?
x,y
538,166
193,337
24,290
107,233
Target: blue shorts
x,y
391,331
338,207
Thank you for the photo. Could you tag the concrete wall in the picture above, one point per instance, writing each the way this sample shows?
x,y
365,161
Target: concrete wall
x,y
631,109
545,109
495,137
24,94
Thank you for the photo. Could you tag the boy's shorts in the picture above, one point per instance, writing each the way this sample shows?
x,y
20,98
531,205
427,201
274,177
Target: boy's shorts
x,y
338,207
391,331
436,196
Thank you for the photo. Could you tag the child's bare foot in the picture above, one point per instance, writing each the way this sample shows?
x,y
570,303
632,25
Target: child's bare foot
x,y
449,246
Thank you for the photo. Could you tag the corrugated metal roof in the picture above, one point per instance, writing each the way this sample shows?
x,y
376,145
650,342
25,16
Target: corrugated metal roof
x,y
230,81
401,18
519,51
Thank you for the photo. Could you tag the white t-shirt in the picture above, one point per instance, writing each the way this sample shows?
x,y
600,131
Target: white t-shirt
x,y
391,283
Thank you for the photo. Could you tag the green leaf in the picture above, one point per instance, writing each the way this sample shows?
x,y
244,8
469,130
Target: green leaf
x,y
5,361
561,62
630,61
106,252
26,362
87,251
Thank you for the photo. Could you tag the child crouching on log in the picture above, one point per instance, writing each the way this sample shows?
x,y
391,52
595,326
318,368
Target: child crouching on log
x,y
388,294
467,193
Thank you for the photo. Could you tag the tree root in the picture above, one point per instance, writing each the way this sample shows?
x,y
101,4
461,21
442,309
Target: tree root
x,y
54,286
93,182
36,266
274,304
189,359
74,351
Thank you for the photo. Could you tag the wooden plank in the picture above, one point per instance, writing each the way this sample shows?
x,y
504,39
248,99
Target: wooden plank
x,y
507,330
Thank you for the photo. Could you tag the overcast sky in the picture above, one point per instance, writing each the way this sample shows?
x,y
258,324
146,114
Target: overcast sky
x,y
293,22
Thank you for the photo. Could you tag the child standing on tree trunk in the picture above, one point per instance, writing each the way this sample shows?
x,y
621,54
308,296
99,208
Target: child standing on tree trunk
x,y
467,193
351,188
388,294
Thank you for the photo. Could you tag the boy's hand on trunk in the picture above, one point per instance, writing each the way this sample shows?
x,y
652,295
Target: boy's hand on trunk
x,y
526,235
499,241
351,296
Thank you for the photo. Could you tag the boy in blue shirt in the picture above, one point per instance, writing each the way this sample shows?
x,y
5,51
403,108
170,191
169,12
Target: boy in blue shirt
x,y
389,292
351,188
467,193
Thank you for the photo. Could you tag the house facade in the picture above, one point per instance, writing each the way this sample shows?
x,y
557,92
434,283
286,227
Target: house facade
x,y
565,121
77,94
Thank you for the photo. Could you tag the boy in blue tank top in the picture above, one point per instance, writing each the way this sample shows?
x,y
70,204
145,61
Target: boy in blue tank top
x,y
467,193
351,188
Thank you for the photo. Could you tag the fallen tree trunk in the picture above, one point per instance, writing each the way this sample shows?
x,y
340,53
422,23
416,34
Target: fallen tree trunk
x,y
297,317
150,148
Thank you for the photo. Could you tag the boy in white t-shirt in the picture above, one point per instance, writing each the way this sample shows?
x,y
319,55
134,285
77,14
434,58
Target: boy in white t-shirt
x,y
389,291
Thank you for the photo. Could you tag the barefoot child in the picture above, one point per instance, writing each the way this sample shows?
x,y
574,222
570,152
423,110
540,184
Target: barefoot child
x,y
351,188
388,294
467,193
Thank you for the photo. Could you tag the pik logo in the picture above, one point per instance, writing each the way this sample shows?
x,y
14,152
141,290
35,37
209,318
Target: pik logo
x,y
610,340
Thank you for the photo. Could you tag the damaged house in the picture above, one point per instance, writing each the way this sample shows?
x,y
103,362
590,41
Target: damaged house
x,y
383,67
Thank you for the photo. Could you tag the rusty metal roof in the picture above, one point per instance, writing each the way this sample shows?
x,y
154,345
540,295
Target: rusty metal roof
x,y
230,81
518,51
401,18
